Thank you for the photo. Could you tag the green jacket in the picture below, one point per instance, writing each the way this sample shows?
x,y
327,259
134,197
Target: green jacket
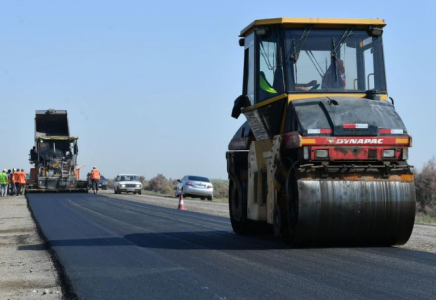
x,y
3,178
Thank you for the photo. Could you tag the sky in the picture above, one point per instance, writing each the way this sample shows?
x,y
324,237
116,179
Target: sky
x,y
149,85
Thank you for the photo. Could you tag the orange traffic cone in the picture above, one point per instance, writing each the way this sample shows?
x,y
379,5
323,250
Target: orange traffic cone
x,y
181,204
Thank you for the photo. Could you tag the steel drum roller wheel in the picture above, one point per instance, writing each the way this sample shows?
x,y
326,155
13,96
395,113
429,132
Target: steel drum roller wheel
x,y
238,209
291,214
277,220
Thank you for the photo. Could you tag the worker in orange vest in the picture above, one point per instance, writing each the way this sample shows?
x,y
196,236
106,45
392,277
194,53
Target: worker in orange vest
x,y
12,178
20,181
16,181
95,179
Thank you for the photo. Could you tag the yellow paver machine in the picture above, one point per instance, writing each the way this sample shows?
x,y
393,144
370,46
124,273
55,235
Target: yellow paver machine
x,y
54,155
323,153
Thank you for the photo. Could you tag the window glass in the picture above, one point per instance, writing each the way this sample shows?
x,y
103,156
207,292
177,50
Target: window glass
x,y
249,72
369,68
338,60
128,178
198,178
270,78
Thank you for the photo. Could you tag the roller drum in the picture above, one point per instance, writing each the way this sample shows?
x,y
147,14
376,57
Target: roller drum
x,y
354,212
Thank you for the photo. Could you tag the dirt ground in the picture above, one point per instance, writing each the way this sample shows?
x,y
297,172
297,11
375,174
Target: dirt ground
x,y
26,271
423,236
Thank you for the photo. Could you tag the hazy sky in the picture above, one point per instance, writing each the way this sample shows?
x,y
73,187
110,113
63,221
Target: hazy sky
x,y
149,85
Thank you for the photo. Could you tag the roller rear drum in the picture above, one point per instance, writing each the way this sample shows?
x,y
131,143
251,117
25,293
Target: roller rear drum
x,y
351,212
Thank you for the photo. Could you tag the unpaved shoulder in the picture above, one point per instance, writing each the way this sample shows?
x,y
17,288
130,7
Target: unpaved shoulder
x,y
26,270
423,238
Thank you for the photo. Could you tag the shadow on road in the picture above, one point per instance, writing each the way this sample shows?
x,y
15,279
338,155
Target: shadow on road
x,y
210,240
214,240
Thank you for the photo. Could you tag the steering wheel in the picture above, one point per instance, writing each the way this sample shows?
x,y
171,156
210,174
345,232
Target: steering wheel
x,y
315,87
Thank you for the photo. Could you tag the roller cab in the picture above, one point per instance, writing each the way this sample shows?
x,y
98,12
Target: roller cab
x,y
323,154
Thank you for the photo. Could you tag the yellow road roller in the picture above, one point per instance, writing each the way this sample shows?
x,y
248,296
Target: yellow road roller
x,y
322,156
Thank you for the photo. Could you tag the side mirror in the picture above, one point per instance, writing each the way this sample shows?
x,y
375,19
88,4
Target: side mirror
x,y
240,102
375,31
178,180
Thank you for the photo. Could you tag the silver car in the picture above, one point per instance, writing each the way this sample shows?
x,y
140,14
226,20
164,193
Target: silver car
x,y
125,183
194,186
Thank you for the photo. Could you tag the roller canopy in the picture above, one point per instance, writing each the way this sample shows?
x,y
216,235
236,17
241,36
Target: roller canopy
x,y
333,113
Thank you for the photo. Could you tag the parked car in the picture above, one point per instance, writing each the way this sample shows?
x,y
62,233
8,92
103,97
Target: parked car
x,y
101,185
127,183
194,186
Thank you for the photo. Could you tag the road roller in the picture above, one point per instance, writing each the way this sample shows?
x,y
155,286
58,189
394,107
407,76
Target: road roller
x,y
322,156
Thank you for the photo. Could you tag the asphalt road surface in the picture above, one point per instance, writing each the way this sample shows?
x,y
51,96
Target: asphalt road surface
x,y
115,249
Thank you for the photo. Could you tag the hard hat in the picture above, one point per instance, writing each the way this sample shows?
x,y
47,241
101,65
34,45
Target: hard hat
x,y
4,170
94,167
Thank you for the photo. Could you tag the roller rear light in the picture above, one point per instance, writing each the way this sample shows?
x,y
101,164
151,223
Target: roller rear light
x,y
355,126
319,131
390,131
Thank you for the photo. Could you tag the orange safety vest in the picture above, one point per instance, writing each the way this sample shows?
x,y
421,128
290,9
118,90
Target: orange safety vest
x,y
22,178
95,174
10,178
16,177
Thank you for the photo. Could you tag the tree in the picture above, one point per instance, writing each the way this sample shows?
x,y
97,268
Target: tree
x,y
160,184
425,182
220,188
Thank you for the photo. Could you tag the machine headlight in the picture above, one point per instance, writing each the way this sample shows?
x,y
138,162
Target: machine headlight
x,y
138,185
389,153
122,185
322,153
306,152
405,153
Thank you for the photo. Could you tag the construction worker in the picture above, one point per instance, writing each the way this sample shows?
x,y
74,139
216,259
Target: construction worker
x,y
95,178
17,181
22,180
3,184
9,181
13,189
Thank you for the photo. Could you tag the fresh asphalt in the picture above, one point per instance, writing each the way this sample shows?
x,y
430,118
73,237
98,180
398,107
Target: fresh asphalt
x,y
117,249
